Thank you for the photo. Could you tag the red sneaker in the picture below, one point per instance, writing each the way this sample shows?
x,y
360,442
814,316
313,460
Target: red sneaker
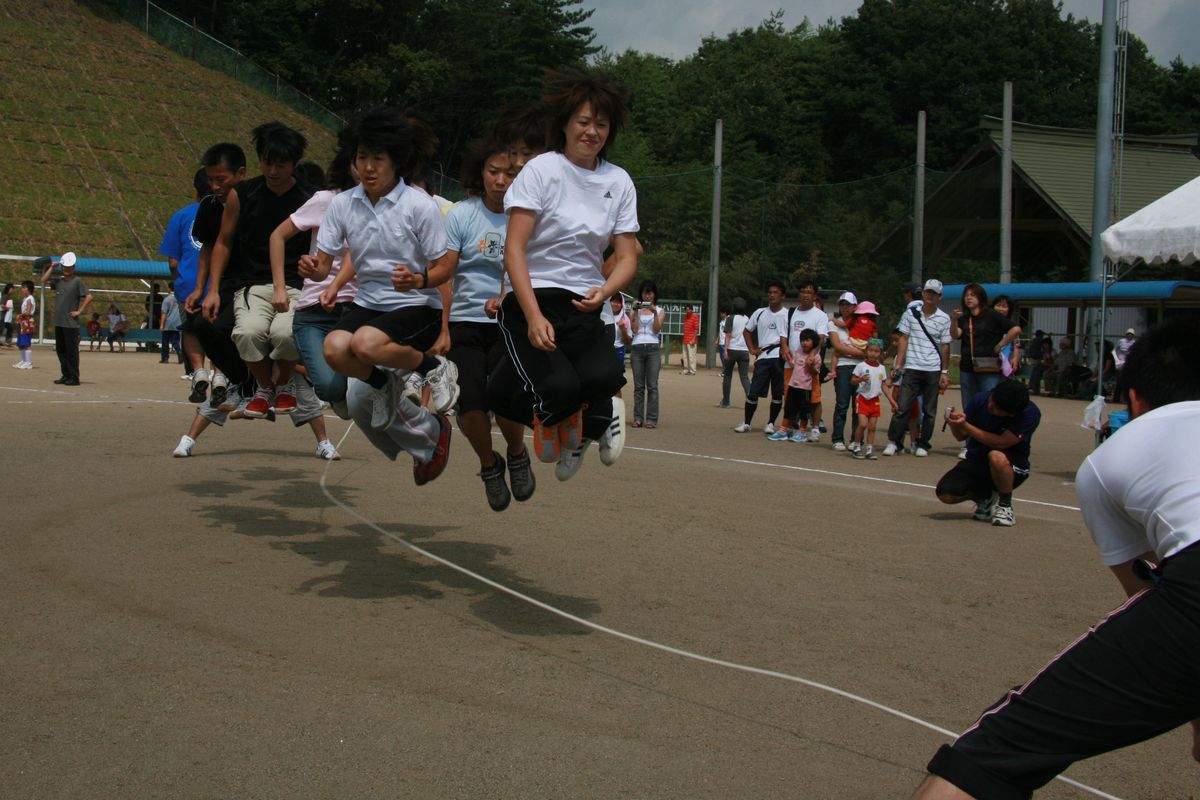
x,y
285,402
424,473
260,405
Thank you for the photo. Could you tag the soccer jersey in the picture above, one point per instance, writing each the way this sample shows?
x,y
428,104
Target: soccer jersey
x,y
814,319
578,212
768,327
477,234
1137,493
404,227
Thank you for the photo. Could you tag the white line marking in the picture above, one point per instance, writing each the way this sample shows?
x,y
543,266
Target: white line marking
x,y
638,639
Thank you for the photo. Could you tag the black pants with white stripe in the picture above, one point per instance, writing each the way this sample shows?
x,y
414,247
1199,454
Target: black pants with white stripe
x,y
553,385
1133,676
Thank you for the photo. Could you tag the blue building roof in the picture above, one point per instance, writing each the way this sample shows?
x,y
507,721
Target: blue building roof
x,y
1122,293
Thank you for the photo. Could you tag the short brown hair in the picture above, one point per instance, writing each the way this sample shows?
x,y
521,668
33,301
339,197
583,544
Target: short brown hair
x,y
566,92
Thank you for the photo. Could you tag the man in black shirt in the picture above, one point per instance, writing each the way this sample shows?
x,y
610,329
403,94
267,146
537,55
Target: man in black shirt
x,y
263,302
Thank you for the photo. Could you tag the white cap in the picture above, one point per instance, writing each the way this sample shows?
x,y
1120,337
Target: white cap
x,y
933,285
848,297
67,260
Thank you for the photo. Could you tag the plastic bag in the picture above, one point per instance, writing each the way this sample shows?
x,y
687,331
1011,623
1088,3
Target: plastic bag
x,y
1093,415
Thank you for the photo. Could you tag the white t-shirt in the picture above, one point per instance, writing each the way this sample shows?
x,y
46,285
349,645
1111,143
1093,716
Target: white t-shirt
x,y
29,306
737,332
578,212
768,326
309,217
1138,489
8,309
872,388
404,227
645,334
814,319
477,235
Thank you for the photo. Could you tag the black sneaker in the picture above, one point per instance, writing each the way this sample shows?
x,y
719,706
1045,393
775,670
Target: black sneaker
x,y
498,495
520,476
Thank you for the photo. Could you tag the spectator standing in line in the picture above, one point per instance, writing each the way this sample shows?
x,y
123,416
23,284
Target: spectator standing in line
x,y
645,323
737,352
1120,353
169,323
622,333
691,334
923,359
71,298
6,313
997,427
153,306
848,356
984,333
766,336
26,325
1034,354
182,250
93,331
719,338
1010,354
804,317
1133,675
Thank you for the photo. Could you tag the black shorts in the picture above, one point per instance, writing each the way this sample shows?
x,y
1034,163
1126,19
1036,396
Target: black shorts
x,y
415,326
973,478
1131,677
768,375
476,349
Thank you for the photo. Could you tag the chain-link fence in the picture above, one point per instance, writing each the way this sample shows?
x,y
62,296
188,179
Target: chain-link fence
x,y
188,40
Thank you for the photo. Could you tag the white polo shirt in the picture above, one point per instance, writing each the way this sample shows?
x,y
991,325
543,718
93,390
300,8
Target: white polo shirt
x,y
404,227
813,320
1138,490
578,212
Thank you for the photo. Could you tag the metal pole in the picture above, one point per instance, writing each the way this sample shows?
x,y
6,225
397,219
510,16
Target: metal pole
x,y
714,250
147,16
1102,179
918,236
1006,188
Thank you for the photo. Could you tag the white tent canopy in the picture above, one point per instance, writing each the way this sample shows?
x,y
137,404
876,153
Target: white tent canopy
x,y
1168,228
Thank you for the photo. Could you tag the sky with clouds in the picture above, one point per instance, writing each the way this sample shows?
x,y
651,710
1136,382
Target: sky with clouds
x,y
674,28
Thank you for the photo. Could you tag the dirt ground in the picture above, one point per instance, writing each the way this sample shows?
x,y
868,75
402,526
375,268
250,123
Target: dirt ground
x,y
223,626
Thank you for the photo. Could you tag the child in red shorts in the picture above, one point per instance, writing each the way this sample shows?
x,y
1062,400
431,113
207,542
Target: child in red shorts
x,y
870,377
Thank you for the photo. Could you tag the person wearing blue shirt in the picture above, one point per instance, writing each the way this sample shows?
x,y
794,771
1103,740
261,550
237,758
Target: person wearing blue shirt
x,y
183,251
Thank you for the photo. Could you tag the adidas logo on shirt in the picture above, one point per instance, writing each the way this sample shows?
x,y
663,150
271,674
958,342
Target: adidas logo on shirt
x,y
608,195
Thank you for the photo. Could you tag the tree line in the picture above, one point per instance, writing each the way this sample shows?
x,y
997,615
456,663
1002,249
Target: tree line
x,y
819,121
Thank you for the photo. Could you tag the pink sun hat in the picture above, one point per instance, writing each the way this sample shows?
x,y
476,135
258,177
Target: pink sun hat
x,y
866,307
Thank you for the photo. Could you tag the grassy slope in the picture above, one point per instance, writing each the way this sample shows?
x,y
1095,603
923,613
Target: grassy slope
x,y
101,130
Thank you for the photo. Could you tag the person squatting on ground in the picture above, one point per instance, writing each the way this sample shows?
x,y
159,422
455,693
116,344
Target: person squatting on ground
x,y
997,427
1133,675
564,209
475,233
645,358
398,255
869,377
923,361
766,335
71,298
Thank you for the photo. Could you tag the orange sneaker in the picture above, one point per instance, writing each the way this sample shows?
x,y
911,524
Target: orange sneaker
x,y
546,441
570,431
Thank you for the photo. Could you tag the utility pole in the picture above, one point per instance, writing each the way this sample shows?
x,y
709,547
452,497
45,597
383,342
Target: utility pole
x,y
714,251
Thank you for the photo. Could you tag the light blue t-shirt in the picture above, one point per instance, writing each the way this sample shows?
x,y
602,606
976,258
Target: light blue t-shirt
x,y
478,236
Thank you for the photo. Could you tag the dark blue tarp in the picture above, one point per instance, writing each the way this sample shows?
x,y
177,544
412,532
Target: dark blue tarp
x,y
1124,293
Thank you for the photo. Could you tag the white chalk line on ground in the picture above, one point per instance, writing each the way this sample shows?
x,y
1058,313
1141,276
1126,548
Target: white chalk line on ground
x,y
649,643
726,459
